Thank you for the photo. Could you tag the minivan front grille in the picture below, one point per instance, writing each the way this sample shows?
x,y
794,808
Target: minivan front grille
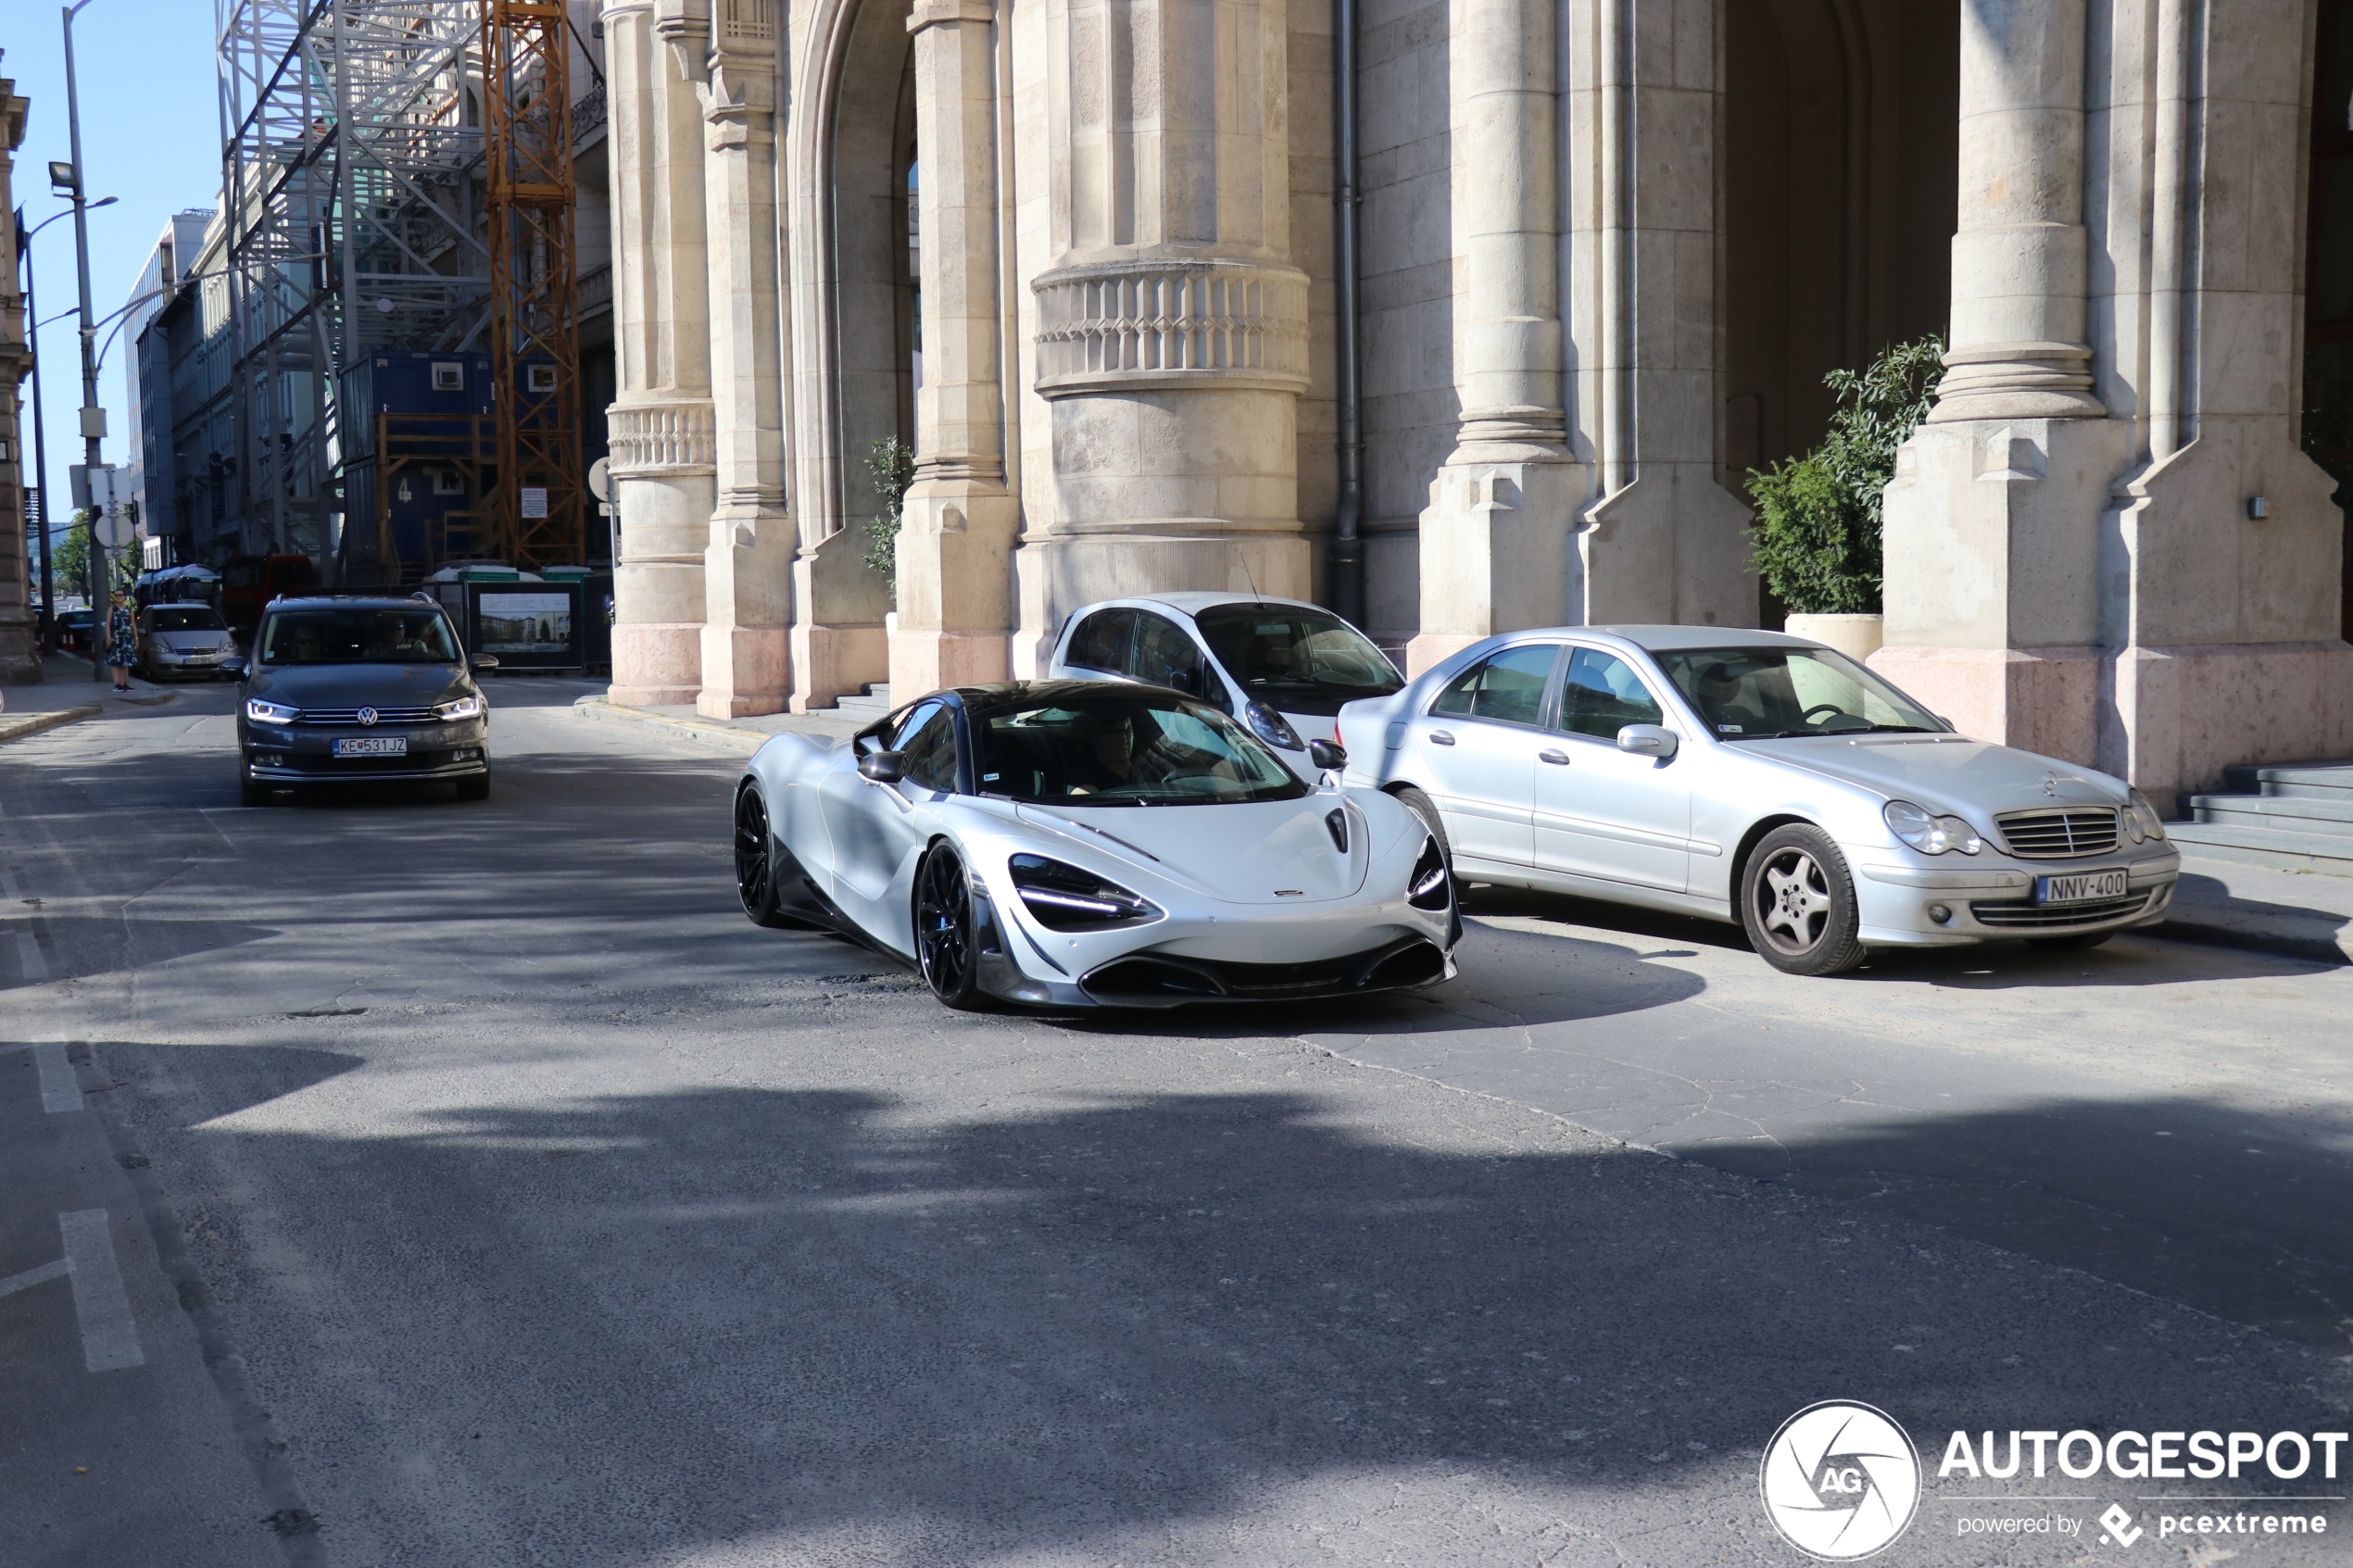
x,y
351,716
2059,834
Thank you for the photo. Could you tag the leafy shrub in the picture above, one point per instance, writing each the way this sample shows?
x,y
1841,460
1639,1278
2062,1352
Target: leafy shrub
x,y
892,462
1818,516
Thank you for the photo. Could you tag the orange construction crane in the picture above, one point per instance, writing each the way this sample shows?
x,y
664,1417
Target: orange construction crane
x,y
526,113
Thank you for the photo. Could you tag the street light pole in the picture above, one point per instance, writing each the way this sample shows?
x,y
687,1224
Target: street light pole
x,y
40,433
93,426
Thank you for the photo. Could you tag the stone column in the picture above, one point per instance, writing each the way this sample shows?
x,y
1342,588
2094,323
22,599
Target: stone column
x,y
660,458
1495,537
748,566
1172,342
956,531
1992,521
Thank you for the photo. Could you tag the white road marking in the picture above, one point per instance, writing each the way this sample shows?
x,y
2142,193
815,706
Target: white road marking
x,y
59,1088
31,1277
109,1340
29,958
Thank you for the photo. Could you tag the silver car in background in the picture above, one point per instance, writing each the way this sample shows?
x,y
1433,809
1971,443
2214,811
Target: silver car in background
x,y
1283,667
1759,778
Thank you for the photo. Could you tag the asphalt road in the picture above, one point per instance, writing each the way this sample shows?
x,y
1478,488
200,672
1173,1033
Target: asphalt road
x,y
484,1189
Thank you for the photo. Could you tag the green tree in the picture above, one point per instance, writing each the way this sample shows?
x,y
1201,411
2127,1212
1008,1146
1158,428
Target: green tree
x,y
70,564
892,462
1818,516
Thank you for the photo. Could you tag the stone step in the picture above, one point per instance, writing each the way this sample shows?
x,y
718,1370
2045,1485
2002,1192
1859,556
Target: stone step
x,y
2323,779
873,705
2266,847
2317,812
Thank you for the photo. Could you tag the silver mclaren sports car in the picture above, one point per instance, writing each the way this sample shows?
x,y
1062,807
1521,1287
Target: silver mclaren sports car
x,y
1069,844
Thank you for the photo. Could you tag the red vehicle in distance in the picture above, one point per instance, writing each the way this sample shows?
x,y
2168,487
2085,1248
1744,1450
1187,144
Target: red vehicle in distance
x,y
247,582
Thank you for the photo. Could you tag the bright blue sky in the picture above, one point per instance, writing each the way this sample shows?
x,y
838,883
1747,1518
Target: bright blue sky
x,y
150,135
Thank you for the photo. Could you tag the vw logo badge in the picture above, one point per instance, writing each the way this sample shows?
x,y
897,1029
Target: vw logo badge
x,y
1840,1480
367,715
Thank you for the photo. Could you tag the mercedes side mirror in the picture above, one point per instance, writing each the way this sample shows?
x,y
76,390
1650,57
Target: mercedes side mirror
x,y
1327,754
883,767
1648,740
483,661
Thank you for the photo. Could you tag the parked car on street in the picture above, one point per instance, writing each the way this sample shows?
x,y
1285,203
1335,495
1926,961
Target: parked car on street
x,y
1074,843
186,639
1758,777
349,690
73,631
1282,667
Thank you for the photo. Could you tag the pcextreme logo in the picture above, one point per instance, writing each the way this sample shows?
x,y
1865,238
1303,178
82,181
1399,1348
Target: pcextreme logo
x,y
1840,1480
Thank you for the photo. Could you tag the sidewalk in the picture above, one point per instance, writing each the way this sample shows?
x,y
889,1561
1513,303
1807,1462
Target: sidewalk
x,y
2298,915
66,695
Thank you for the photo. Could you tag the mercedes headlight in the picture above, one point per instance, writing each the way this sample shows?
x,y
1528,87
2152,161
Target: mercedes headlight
x,y
1272,727
1062,896
464,707
2141,820
262,712
1929,834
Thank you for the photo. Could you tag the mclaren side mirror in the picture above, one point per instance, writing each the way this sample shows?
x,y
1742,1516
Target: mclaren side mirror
x,y
1648,740
1327,754
883,767
483,661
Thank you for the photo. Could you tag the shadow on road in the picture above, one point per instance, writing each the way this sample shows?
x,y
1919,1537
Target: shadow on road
x,y
797,1318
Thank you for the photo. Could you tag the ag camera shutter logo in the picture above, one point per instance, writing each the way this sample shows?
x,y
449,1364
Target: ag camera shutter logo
x,y
1840,1480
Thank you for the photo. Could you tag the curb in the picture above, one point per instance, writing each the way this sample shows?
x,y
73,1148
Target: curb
x,y
24,724
719,735
2313,950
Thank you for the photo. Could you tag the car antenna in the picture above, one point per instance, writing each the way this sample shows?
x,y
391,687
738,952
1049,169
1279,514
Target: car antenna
x,y
1256,597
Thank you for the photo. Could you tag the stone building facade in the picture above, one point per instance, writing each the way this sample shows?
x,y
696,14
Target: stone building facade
x,y
20,650
1079,256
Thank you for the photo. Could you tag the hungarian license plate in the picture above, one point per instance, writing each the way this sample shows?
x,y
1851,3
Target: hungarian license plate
x,y
2080,888
373,746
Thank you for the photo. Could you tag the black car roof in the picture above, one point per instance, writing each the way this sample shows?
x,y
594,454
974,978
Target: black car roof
x,y
1004,694
351,601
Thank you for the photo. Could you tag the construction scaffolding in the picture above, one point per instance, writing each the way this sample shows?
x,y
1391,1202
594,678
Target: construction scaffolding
x,y
383,191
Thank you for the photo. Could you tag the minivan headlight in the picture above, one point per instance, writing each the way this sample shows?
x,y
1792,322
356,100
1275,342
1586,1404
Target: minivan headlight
x,y
1272,727
1928,833
1062,896
262,712
2141,820
463,708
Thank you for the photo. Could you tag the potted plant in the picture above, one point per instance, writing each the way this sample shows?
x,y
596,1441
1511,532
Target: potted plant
x,y
1817,516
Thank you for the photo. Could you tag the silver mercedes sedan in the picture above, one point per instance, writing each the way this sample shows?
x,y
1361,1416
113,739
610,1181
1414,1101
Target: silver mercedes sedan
x,y
1759,778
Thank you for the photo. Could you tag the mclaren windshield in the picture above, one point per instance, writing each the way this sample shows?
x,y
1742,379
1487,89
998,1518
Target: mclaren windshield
x,y
355,635
1777,693
1295,659
1121,746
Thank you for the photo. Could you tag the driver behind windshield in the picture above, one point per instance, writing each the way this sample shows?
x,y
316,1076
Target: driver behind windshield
x,y
1774,694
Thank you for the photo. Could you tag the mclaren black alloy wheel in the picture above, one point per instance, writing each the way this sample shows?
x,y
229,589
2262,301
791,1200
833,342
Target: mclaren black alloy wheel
x,y
1422,806
945,944
755,867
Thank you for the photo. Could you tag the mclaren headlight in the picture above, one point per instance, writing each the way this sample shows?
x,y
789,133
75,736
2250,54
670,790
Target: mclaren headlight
x,y
262,712
1062,896
463,708
1929,834
1272,727
1426,889
2141,820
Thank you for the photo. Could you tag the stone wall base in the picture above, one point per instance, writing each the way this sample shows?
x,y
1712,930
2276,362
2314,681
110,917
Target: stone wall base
x,y
834,661
744,671
926,661
655,664
2176,717
2043,701
2169,719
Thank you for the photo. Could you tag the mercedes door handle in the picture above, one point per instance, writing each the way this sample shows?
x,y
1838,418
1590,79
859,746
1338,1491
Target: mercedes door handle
x,y
1439,738
1558,759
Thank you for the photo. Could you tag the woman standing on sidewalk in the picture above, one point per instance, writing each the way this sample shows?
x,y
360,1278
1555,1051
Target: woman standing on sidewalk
x,y
123,643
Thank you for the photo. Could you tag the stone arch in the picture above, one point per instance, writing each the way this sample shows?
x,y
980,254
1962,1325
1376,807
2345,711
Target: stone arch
x,y
2328,271
873,305
1840,172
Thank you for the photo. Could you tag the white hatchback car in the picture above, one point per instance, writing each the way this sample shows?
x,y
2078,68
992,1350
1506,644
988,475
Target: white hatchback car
x,y
1283,667
1759,778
